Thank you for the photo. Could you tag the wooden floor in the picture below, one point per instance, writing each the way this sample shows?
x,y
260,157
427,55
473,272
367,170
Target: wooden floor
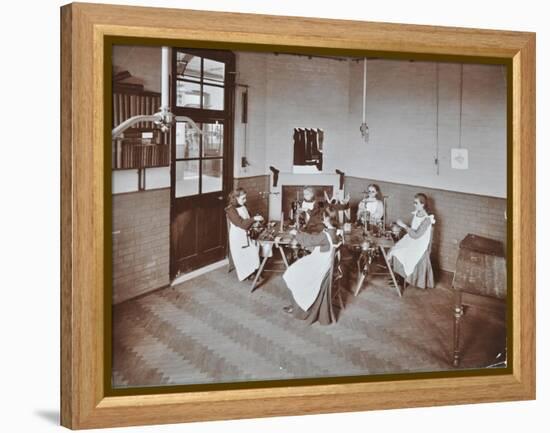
x,y
212,329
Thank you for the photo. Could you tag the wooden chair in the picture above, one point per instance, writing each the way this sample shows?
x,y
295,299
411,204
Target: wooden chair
x,y
231,266
385,202
335,275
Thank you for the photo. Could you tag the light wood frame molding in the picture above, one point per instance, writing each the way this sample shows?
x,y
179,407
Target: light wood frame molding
x,y
84,403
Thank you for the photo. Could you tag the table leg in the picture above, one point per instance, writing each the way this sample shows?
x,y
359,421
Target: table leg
x,y
458,313
258,273
283,255
360,283
390,270
362,275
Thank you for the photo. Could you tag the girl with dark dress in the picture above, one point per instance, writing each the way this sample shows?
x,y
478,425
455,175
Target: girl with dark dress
x,y
411,254
308,277
244,251
313,209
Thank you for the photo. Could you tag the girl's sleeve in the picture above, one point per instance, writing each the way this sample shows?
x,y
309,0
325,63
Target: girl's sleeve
x,y
340,206
379,210
236,219
424,225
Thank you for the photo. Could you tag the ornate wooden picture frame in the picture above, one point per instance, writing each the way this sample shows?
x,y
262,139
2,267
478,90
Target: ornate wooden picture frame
x,y
86,398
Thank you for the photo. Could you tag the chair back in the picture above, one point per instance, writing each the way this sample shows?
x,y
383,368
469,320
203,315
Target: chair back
x,y
431,239
334,277
385,203
229,258
336,253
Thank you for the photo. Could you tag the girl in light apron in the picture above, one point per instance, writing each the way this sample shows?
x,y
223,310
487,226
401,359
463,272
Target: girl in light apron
x,y
311,210
371,203
308,277
411,255
244,251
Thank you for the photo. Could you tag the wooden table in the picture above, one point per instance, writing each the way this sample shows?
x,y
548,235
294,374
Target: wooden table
x,y
268,238
357,242
480,270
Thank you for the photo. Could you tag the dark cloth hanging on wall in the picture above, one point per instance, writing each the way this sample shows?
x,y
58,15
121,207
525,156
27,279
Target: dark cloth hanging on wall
x,y
307,147
309,144
299,147
320,138
317,155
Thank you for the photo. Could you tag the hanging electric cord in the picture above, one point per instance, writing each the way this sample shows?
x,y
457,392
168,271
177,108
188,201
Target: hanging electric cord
x,y
244,119
364,127
460,110
246,140
436,161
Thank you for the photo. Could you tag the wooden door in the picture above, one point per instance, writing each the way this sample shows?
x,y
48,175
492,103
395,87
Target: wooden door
x,y
202,164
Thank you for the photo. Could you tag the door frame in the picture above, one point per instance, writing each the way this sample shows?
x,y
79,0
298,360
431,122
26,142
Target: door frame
x,y
202,115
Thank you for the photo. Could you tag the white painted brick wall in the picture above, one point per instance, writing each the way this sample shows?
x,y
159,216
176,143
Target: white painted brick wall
x,y
401,114
288,91
310,93
251,71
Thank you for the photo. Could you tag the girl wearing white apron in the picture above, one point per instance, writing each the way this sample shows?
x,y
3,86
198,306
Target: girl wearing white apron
x,y
411,255
307,277
244,251
311,210
371,203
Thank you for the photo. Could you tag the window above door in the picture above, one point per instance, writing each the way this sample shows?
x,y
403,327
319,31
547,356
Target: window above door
x,y
200,82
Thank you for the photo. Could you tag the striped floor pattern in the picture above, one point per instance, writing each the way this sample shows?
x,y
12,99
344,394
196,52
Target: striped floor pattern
x,y
212,329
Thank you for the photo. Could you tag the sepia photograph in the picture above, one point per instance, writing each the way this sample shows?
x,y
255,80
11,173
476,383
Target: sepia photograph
x,y
284,215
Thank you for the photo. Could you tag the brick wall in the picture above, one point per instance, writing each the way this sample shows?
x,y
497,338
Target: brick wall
x,y
289,91
456,214
254,187
141,242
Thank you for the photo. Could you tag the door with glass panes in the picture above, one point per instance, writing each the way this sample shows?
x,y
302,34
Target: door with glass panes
x,y
202,164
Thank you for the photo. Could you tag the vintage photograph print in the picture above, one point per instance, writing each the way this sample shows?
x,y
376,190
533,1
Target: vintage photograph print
x,y
280,216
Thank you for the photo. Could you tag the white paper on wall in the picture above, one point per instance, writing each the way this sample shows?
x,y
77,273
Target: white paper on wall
x,y
459,159
305,169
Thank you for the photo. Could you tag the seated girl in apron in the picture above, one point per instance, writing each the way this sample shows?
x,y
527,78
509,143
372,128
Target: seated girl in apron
x,y
411,255
244,251
313,209
308,277
371,205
